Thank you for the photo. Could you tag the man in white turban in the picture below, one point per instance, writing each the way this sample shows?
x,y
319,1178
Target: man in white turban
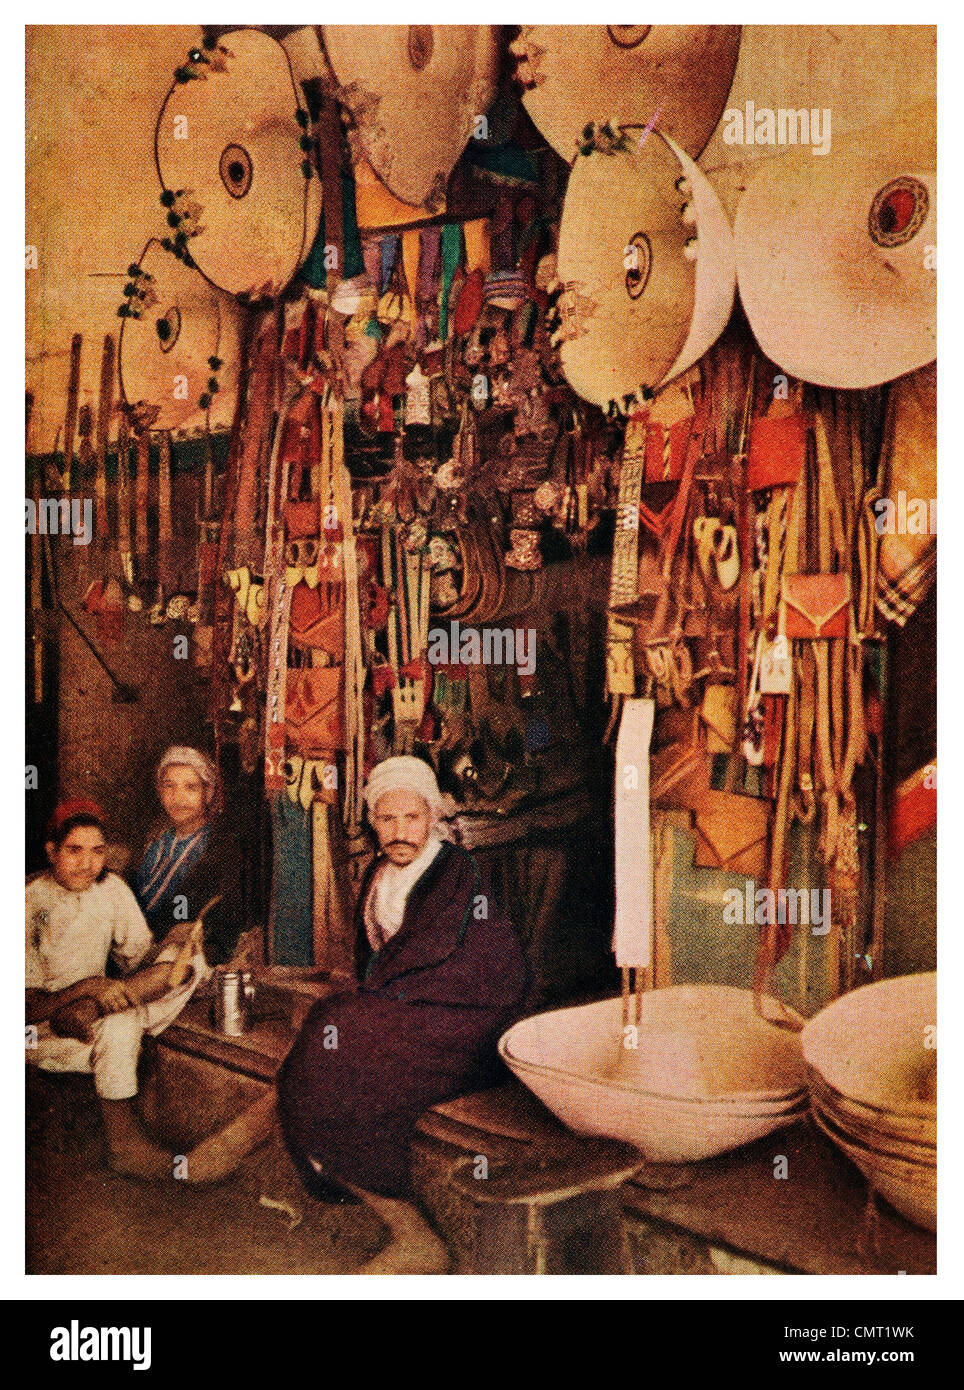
x,y
440,975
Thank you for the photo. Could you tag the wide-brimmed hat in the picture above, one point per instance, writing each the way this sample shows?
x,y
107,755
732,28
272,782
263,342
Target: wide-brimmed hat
x,y
836,254
676,75
233,148
860,73
177,326
414,93
646,265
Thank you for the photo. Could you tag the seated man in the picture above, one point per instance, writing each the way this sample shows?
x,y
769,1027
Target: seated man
x,y
78,914
441,975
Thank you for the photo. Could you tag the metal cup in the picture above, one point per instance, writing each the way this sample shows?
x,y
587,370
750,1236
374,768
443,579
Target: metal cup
x,y
233,993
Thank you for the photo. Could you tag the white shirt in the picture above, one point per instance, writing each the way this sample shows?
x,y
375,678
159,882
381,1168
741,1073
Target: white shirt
x,y
71,935
385,904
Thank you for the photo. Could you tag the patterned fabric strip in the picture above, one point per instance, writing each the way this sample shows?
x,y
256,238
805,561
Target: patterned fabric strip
x,y
898,598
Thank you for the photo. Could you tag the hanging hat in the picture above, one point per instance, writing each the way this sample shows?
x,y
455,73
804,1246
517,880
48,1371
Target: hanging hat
x,y
860,73
414,92
646,264
833,255
676,75
177,326
234,141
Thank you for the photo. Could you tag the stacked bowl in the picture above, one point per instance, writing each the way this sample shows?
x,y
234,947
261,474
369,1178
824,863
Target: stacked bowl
x,y
871,1059
701,1072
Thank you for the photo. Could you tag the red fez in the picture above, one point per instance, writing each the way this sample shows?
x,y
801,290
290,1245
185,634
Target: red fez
x,y
73,806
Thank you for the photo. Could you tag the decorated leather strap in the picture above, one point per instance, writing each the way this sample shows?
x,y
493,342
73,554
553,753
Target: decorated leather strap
x,y
624,579
140,498
105,409
354,658
124,497
280,607
166,573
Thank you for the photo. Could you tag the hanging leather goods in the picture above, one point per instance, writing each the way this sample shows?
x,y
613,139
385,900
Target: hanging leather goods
x,y
247,545
105,409
751,744
775,665
744,525
353,639
732,833
166,571
70,418
633,922
666,654
718,718
814,606
407,576
279,605
777,447
124,498
140,500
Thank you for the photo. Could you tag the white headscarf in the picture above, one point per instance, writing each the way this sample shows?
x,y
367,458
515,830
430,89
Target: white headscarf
x,y
403,774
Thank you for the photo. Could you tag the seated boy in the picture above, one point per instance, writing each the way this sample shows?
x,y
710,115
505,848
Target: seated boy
x,y
77,916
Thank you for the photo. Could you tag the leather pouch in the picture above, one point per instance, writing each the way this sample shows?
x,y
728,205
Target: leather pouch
x,y
777,451
718,718
731,833
678,778
302,519
314,720
311,624
814,605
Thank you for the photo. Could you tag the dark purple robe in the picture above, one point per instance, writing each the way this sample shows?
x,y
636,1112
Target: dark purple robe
x,y
421,1028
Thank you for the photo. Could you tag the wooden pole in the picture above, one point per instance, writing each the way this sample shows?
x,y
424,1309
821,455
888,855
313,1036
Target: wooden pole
x,y
70,419
105,409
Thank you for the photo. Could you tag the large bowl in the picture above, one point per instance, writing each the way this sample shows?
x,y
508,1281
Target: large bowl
x,y
706,1074
875,1046
910,1188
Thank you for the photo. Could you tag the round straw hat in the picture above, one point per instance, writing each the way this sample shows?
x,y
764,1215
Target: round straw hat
x,y
833,255
230,143
413,92
678,74
646,264
861,73
166,352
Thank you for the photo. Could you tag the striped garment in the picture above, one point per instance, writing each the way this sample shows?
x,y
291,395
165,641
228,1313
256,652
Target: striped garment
x,y
167,861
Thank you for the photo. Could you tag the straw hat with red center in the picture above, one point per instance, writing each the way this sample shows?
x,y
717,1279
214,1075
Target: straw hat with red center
x,y
833,255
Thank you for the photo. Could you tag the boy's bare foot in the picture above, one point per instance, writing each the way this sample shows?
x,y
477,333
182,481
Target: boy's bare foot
x,y
129,1150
